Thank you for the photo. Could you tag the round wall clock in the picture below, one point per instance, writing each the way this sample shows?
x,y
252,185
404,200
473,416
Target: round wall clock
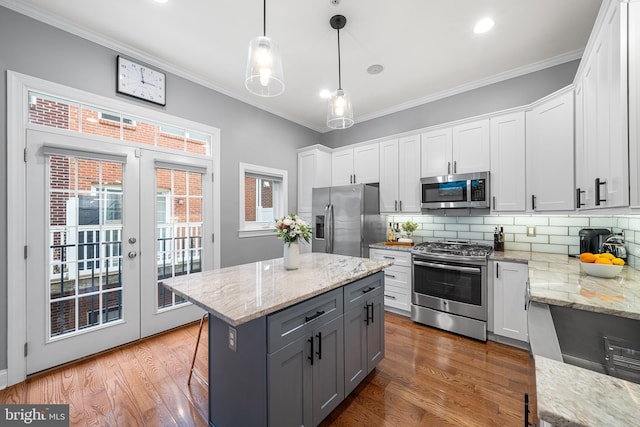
x,y
138,80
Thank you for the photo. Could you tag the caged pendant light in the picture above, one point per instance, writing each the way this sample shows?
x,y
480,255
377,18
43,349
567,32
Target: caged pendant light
x,y
339,112
264,65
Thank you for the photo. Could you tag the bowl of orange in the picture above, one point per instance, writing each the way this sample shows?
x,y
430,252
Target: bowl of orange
x,y
601,265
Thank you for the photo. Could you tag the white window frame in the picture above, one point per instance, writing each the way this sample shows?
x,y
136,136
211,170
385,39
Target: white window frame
x,y
280,199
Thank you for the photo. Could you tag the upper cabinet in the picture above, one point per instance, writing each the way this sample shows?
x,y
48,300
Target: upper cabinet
x,y
314,170
400,174
358,165
508,192
602,149
549,154
634,101
461,149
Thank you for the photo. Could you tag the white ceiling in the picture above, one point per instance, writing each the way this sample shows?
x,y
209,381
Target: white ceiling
x,y
427,47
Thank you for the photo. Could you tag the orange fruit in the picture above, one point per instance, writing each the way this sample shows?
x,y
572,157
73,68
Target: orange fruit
x,y
587,257
617,261
603,260
607,255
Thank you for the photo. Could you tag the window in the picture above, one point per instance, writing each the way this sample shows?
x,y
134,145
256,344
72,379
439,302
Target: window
x,y
263,197
116,119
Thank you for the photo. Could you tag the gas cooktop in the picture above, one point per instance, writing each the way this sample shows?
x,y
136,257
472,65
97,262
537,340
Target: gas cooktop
x,y
453,249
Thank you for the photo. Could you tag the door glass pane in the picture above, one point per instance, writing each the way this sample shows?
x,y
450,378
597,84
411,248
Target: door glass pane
x,y
178,228
85,229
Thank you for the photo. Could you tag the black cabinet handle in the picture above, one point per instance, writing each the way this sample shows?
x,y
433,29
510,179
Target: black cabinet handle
x,y
371,311
395,205
310,340
597,188
366,316
314,316
448,168
319,352
400,205
366,291
390,296
578,197
390,275
494,202
533,202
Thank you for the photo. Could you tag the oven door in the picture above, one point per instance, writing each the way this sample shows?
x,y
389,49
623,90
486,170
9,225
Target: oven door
x,y
453,288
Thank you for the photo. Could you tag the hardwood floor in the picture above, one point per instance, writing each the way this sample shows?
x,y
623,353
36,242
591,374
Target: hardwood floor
x,y
428,378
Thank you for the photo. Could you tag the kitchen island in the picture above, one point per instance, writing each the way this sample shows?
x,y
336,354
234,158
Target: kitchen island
x,y
286,346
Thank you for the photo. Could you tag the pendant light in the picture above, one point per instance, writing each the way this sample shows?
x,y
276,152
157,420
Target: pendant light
x,y
264,65
339,112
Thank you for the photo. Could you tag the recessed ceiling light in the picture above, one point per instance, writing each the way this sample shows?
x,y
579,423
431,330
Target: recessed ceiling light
x,y
375,69
325,94
484,25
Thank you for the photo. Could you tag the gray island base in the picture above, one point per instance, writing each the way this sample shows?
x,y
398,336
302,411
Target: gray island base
x,y
286,347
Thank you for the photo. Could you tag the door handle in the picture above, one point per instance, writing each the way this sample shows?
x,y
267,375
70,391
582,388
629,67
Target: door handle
x,y
371,311
448,168
455,166
494,203
132,254
395,203
366,316
310,357
400,205
598,184
319,352
578,197
533,202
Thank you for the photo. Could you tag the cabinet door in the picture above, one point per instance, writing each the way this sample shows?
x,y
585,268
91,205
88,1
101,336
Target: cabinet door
x,y
509,288
375,331
634,102
366,159
314,170
549,151
342,167
355,351
290,385
435,153
389,175
328,369
508,162
409,174
471,145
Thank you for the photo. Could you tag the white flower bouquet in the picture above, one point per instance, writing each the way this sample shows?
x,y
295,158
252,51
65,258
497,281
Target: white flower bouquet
x,y
292,228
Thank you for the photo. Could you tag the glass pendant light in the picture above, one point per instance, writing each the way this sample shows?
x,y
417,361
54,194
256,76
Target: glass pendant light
x,y
264,65
339,112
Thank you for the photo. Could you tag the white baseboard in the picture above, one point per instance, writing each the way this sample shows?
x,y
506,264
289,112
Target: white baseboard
x,y
4,378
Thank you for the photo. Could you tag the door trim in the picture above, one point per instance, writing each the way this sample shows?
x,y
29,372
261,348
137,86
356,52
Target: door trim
x,y
18,87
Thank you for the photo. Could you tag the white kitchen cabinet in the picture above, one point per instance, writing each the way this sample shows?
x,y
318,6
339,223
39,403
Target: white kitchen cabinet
x,y
601,116
509,300
400,175
508,191
314,170
549,153
357,165
397,278
461,149
634,102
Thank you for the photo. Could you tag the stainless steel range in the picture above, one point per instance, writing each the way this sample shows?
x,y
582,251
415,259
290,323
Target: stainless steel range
x,y
449,288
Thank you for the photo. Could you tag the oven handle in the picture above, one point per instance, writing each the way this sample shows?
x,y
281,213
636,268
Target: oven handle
x,y
447,267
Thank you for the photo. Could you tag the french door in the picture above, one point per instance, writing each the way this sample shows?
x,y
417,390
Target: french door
x,y
105,223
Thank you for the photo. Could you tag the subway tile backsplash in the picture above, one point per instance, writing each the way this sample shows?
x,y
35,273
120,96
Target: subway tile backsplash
x,y
554,234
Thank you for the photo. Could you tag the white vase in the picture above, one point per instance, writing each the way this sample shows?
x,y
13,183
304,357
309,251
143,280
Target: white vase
x,y
291,255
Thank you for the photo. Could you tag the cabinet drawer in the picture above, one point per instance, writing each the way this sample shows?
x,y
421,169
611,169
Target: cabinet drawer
x,y
399,258
397,296
358,291
400,276
287,325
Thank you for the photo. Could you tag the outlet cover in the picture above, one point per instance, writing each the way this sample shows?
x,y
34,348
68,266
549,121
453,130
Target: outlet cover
x,y
531,231
233,339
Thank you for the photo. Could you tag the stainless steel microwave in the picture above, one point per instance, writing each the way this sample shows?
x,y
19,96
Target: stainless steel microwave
x,y
469,190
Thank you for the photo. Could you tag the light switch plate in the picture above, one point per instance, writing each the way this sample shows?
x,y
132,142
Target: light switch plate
x,y
233,339
531,231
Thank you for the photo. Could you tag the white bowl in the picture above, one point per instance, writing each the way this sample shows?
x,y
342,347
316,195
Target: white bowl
x,y
601,270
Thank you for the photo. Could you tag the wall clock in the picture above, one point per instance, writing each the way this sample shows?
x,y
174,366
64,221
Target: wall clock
x,y
138,80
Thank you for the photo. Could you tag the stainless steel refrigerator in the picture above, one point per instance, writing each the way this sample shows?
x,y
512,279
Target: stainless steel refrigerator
x,y
346,219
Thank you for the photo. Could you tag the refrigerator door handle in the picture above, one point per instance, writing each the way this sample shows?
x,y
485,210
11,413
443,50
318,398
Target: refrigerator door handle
x,y
326,228
329,229
332,225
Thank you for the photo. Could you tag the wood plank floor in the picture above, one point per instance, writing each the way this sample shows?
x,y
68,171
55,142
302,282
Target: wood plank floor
x,y
428,378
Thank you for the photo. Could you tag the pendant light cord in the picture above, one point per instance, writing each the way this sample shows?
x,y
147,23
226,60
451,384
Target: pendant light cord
x,y
264,18
339,70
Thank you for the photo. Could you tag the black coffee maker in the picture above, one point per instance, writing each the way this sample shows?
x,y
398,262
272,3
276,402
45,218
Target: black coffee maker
x,y
591,239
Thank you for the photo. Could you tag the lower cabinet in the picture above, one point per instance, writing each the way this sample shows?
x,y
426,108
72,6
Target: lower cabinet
x,y
397,278
509,300
363,330
320,350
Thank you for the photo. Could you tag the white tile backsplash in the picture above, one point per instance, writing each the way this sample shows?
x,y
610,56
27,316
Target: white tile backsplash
x,y
554,233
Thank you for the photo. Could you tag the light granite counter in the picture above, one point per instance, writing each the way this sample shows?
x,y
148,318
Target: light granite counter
x,y
572,396
246,292
559,280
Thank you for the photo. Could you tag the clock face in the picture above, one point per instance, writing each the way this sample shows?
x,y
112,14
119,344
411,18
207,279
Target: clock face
x,y
140,81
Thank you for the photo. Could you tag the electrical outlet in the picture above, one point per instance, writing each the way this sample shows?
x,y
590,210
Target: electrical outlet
x,y
531,231
233,339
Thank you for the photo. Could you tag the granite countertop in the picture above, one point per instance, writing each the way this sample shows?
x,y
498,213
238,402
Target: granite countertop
x,y
401,248
573,396
245,292
559,280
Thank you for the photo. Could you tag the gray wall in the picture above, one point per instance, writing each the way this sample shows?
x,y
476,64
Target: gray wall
x,y
510,93
247,134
